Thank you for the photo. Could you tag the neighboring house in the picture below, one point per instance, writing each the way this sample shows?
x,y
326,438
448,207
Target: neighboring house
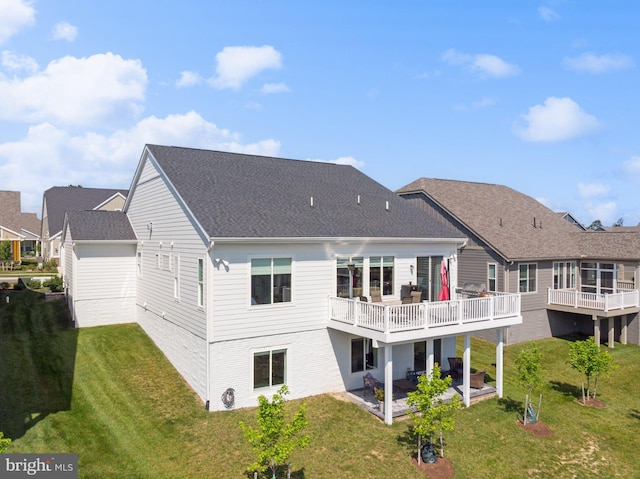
x,y
570,218
254,272
571,280
20,229
60,199
98,257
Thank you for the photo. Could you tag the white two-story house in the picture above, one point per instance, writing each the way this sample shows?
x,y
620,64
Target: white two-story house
x,y
253,272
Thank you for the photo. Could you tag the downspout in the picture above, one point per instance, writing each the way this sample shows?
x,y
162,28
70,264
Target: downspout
x,y
206,315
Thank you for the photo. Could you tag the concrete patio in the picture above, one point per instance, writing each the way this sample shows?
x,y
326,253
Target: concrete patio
x,y
400,408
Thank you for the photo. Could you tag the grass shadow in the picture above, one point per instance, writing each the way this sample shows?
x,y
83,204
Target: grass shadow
x,y
634,413
37,353
511,405
567,389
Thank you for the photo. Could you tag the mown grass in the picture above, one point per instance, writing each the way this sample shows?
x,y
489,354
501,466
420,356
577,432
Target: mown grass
x,y
109,395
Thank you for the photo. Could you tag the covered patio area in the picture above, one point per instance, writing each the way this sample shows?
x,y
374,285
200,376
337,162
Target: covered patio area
x,y
399,407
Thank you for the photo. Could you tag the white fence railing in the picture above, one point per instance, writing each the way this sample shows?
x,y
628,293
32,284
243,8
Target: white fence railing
x,y
407,317
600,302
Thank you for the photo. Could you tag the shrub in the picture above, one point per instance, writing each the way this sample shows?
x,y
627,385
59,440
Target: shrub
x,y
34,284
4,442
54,284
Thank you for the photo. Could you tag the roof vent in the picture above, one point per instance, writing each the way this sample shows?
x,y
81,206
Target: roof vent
x,y
311,203
387,205
358,199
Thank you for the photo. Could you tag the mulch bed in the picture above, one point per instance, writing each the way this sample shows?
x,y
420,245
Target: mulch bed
x,y
537,428
443,469
592,402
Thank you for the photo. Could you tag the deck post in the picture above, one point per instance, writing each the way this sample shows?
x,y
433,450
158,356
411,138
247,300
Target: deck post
x,y
430,356
596,328
466,370
388,384
612,332
624,321
499,361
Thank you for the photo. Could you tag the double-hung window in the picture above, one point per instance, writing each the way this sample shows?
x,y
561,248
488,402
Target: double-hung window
x,y
269,368
200,282
349,269
492,277
381,274
564,275
270,280
527,278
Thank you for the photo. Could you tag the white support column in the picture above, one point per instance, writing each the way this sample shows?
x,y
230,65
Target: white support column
x,y
596,329
430,356
388,384
499,362
624,321
612,332
466,370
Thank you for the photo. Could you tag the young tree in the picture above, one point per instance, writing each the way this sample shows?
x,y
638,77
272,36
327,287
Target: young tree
x,y
586,357
4,442
432,412
595,225
529,374
5,251
274,439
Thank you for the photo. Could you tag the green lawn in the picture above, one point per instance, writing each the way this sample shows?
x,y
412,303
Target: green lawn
x,y
110,396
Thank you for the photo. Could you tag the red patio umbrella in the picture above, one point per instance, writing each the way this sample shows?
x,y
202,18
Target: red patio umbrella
x,y
444,291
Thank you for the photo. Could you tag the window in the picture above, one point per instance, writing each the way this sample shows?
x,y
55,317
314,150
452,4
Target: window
x,y
564,275
598,278
428,277
200,282
527,278
363,355
343,277
176,277
492,276
381,274
269,368
270,280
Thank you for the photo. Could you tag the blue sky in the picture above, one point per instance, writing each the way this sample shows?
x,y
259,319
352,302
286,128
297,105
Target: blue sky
x,y
538,96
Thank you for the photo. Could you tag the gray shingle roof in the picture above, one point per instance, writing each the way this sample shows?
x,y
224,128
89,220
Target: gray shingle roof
x,y
518,226
98,225
240,195
10,216
59,199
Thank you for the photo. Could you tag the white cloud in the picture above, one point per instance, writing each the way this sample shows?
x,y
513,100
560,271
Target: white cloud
x,y
64,31
343,160
591,63
592,190
12,62
14,16
558,119
483,64
275,88
605,212
76,91
548,14
632,166
188,78
235,65
56,157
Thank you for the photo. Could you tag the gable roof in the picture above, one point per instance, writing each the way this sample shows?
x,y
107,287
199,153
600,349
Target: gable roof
x,y
519,227
60,199
235,195
99,225
10,215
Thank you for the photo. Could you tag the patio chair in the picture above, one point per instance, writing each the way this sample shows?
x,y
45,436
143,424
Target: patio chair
x,y
455,368
416,296
476,380
370,383
376,297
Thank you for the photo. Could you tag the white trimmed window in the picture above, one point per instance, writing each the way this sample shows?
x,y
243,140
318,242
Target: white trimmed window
x,y
270,280
176,277
492,277
381,274
200,282
269,368
564,275
527,278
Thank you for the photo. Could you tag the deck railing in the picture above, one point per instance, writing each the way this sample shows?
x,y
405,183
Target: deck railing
x,y
600,302
390,318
